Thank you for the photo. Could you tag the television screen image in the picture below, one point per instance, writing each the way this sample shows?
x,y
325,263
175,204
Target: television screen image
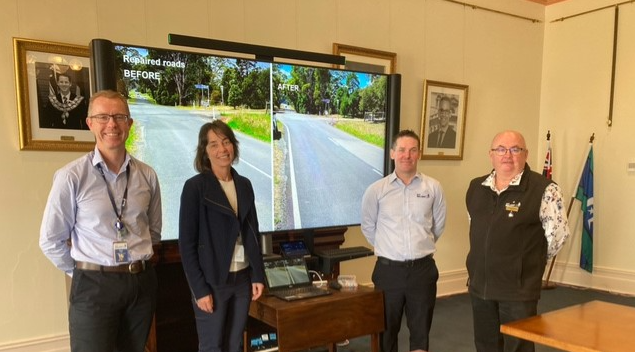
x,y
312,139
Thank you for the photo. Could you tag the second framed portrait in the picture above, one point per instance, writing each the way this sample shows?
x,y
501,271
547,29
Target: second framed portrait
x,y
443,120
364,59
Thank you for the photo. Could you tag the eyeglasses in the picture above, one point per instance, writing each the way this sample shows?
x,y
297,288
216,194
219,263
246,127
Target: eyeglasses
x,y
500,151
104,118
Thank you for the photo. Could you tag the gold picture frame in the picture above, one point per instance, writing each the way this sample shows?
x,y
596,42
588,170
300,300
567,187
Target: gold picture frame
x,y
46,123
367,60
443,120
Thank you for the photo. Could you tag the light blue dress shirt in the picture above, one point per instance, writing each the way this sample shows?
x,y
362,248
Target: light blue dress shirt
x,y
79,208
403,222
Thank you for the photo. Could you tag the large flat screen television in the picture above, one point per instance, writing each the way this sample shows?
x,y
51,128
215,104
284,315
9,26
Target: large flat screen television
x,y
312,139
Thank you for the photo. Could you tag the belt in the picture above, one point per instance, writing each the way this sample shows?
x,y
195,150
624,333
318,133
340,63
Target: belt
x,y
405,263
132,268
233,275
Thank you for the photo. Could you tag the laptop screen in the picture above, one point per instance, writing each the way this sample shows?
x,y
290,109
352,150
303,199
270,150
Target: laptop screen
x,y
286,273
292,249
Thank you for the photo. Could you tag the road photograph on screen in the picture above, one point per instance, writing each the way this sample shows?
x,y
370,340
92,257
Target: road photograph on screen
x,y
312,139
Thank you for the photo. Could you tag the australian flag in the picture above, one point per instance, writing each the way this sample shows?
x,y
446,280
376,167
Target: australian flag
x,y
547,170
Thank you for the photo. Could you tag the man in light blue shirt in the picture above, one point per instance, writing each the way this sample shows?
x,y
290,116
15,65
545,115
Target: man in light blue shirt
x,y
403,215
101,220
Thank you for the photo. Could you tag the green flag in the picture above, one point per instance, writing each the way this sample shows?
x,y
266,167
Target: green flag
x,y
585,195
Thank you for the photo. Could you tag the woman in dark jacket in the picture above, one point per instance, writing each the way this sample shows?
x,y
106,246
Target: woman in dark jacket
x,y
219,241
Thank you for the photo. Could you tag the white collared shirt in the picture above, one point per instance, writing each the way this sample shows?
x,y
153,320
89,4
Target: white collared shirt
x,y
79,208
403,222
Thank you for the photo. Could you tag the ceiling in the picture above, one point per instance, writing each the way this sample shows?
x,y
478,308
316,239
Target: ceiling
x,y
546,2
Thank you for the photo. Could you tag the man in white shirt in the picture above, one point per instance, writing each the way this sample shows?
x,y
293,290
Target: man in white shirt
x,y
101,220
403,215
444,136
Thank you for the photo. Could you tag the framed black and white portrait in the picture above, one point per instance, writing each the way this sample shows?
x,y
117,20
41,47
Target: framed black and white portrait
x,y
53,89
443,120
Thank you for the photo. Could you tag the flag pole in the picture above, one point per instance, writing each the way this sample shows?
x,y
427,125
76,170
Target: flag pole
x,y
546,284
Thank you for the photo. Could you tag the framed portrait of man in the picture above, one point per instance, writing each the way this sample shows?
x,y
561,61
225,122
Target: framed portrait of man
x,y
443,120
63,94
52,89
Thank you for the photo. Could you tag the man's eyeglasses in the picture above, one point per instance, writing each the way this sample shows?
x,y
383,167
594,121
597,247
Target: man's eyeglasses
x,y
104,118
500,151
445,113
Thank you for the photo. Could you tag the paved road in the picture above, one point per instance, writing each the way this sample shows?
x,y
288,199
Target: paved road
x,y
330,170
167,139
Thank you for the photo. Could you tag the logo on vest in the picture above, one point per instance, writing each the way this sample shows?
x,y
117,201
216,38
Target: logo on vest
x,y
512,208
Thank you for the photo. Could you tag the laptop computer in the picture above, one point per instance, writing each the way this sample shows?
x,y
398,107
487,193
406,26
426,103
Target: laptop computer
x,y
294,249
288,279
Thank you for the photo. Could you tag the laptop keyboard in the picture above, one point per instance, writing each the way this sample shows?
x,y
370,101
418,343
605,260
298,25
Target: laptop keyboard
x,y
297,291
301,292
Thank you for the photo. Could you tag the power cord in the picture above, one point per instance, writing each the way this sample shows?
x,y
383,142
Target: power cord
x,y
320,282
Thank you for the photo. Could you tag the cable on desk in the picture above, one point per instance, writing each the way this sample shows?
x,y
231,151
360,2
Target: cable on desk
x,y
321,282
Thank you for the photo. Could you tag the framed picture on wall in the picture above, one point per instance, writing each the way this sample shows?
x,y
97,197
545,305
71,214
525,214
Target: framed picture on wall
x,y
368,60
443,120
52,89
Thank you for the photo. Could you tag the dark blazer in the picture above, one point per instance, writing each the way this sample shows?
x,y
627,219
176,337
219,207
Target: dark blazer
x,y
449,140
208,230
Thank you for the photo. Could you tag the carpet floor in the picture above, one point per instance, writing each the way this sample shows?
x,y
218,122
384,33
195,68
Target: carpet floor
x,y
452,324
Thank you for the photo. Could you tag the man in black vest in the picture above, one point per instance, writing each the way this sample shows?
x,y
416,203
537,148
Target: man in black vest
x,y
517,222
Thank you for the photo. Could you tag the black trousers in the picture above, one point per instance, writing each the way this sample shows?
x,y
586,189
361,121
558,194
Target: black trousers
x,y
489,315
222,330
409,289
111,312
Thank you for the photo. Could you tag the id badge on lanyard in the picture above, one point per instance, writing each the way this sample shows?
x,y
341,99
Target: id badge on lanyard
x,y
120,251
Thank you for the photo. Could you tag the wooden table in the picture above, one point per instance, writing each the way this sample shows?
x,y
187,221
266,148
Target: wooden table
x,y
588,327
323,321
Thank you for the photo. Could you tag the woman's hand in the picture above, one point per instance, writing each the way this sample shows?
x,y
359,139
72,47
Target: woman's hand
x,y
206,304
256,290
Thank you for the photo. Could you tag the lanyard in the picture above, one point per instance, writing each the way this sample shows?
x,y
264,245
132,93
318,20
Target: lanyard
x,y
119,224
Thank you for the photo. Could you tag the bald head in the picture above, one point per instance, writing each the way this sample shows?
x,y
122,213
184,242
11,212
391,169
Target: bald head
x,y
509,134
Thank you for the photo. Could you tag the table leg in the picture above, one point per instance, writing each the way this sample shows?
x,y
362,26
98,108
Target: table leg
x,y
374,342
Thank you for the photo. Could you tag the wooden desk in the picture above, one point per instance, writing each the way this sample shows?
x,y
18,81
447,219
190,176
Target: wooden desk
x,y
174,327
324,320
588,327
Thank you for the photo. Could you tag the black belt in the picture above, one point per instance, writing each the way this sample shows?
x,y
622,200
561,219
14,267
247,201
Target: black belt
x,y
405,263
131,268
233,275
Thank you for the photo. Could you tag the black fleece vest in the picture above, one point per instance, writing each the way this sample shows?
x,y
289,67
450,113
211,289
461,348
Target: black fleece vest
x,y
508,248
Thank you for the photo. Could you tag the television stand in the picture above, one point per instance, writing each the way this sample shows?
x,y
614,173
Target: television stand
x,y
329,258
